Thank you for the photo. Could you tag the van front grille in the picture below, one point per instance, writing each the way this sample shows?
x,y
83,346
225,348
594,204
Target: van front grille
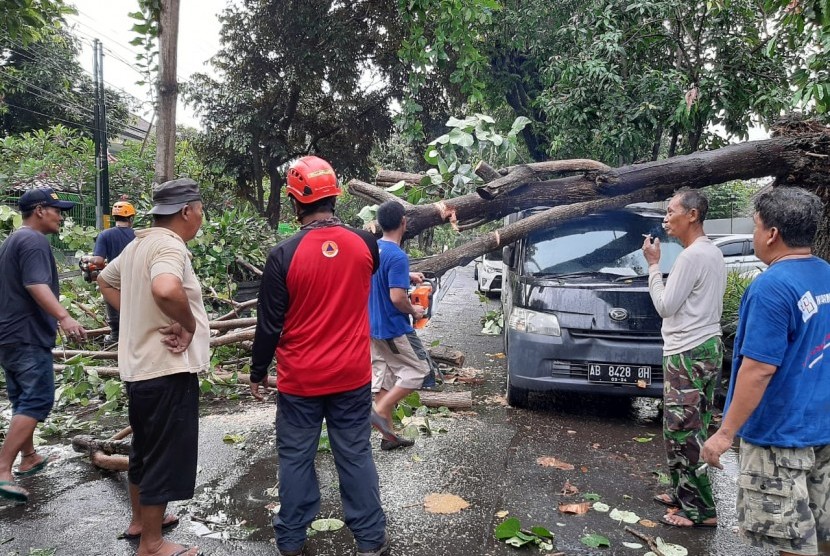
x,y
622,335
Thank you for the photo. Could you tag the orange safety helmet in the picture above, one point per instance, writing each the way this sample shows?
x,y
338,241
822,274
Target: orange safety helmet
x,y
310,179
123,208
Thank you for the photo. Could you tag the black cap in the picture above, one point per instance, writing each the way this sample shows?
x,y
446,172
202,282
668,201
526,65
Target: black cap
x,y
171,196
42,196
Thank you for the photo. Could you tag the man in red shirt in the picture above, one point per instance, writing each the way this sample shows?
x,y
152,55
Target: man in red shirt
x,y
313,311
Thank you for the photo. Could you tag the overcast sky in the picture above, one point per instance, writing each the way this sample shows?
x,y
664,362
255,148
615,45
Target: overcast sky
x,y
108,21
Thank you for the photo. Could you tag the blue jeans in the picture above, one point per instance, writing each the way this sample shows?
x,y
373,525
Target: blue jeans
x,y
299,420
30,379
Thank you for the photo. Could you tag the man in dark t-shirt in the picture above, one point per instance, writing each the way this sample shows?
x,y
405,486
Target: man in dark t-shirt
x,y
30,314
109,245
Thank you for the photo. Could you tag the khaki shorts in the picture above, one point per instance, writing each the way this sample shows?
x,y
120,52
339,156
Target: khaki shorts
x,y
400,361
784,497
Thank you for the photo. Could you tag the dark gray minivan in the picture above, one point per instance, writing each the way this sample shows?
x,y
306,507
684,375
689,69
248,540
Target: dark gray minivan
x,y
578,315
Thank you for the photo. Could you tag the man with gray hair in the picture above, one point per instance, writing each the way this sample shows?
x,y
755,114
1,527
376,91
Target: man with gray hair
x,y
164,342
778,401
691,303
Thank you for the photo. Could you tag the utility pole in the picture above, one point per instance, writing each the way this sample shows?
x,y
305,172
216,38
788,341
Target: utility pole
x,y
168,91
99,137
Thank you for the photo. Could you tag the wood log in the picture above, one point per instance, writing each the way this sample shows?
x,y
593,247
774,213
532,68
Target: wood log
x,y
67,354
107,372
447,355
387,178
504,236
518,175
233,323
451,400
85,443
233,338
778,157
236,310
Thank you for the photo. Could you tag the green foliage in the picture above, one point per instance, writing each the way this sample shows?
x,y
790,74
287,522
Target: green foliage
x,y
492,322
736,285
595,540
731,199
455,154
653,78
283,94
233,234
146,29
510,532
80,385
27,21
443,37
43,84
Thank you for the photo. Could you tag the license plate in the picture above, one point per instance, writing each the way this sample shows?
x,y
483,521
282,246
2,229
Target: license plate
x,y
619,374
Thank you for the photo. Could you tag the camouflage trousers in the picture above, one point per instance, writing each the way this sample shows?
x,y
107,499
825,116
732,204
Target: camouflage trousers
x,y
690,380
784,497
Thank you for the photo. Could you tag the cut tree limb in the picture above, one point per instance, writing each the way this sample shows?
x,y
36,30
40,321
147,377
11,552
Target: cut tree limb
x,y
85,443
505,236
517,176
779,157
450,400
447,355
648,539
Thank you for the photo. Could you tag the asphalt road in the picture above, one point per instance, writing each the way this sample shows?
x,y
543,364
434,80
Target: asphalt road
x,y
487,456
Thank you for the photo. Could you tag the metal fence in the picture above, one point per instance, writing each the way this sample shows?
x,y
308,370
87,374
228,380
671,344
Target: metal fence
x,y
83,213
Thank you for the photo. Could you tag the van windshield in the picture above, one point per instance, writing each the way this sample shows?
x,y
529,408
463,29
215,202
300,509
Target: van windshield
x,y
608,243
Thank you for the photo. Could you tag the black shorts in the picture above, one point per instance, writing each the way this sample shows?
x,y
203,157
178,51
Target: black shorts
x,y
164,415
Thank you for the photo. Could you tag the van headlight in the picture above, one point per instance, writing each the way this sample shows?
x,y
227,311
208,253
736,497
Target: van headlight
x,y
534,322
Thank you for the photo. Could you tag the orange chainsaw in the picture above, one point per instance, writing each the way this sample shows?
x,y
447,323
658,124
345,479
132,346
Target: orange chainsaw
x,y
89,268
422,295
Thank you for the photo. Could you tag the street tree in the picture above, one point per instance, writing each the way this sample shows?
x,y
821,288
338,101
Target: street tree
x,y
43,84
293,79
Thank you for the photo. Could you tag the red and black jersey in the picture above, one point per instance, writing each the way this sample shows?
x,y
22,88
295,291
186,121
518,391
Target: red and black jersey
x,y
313,310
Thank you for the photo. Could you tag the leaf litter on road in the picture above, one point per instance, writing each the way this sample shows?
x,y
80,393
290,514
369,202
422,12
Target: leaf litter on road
x,y
577,508
550,461
444,503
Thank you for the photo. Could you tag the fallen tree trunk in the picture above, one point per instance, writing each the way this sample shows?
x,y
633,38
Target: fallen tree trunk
x,y
450,400
791,160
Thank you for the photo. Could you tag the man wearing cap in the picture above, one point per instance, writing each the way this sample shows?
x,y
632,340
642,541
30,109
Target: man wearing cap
x,y
109,245
30,314
164,343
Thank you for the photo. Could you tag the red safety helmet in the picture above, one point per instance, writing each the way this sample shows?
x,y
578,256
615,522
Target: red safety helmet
x,y
310,179
123,208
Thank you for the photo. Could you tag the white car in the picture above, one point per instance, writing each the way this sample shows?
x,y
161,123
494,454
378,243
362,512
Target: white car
x,y
739,253
488,273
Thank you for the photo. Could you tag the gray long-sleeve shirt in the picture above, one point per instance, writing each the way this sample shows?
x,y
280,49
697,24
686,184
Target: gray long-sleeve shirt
x,y
691,301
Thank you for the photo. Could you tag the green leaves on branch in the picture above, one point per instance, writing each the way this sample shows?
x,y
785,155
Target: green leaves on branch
x,y
510,531
444,37
470,140
26,21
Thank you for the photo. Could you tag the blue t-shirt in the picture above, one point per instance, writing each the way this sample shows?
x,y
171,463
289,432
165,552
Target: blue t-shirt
x,y
112,241
385,320
784,320
26,259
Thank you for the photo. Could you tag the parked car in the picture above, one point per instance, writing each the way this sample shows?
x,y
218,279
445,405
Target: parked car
x,y
578,314
739,253
488,273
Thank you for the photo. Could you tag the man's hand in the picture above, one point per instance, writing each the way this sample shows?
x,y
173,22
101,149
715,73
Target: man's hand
x,y
651,250
72,328
714,447
255,388
176,337
416,277
418,312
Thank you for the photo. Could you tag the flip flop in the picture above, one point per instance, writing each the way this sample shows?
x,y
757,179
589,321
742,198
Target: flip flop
x,y
37,468
694,524
660,500
12,493
165,525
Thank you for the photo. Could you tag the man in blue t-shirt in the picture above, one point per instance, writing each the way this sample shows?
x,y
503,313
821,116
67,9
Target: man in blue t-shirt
x,y
400,364
30,314
109,245
778,402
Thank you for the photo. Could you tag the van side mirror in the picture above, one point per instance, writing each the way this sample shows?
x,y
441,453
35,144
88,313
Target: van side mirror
x,y
508,256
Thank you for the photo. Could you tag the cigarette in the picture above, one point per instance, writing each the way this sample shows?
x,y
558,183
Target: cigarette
x,y
646,235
